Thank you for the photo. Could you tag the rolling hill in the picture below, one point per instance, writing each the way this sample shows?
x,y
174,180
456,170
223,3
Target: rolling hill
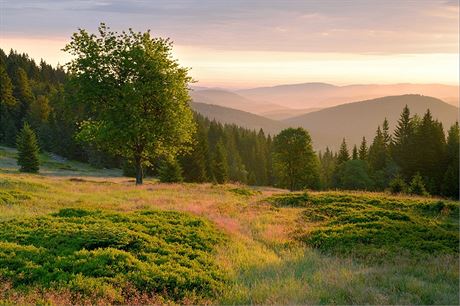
x,y
355,120
308,95
233,116
229,99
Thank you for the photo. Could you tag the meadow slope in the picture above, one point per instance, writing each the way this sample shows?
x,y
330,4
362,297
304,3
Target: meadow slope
x,y
234,244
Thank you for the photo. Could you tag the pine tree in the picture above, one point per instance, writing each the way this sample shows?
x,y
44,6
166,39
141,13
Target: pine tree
x,y
343,153
386,134
450,184
417,186
220,165
403,143
8,108
27,150
363,150
194,162
170,171
377,152
355,153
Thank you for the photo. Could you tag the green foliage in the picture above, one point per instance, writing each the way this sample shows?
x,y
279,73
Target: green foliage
x,y
343,155
450,184
170,171
379,227
417,186
220,165
168,254
295,162
136,94
353,175
290,199
244,191
28,150
397,185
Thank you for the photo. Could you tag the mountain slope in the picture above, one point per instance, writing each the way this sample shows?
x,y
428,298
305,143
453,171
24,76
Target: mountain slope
x,y
232,100
354,120
322,95
233,116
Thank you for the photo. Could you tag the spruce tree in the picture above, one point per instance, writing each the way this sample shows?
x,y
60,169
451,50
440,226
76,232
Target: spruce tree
x,y
194,162
403,143
417,186
170,171
27,150
377,152
343,153
355,153
450,184
363,150
220,165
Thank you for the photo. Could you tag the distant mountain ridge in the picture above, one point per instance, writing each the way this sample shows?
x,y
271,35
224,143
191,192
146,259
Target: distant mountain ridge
x,y
308,95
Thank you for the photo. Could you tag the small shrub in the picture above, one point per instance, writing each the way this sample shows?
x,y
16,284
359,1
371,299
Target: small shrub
x,y
375,228
397,185
91,253
244,191
289,199
417,186
28,150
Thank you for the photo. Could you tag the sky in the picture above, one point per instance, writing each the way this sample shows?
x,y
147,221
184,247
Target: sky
x,y
249,43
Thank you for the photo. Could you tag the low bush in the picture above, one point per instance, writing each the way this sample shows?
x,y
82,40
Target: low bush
x,y
159,253
244,191
371,227
289,199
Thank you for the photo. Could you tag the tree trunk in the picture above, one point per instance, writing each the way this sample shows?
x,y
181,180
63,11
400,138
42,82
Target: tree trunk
x,y
139,171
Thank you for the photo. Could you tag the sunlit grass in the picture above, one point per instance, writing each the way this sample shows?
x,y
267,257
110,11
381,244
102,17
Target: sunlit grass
x,y
263,259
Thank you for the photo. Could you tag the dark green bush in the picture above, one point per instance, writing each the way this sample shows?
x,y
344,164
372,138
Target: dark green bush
x,y
244,191
289,199
371,227
417,186
169,254
397,185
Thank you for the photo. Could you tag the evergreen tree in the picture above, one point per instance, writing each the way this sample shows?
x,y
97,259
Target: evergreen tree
x,y
417,186
377,152
355,153
220,165
403,143
27,150
8,108
22,92
430,144
194,162
362,154
170,171
343,155
327,166
450,184
386,133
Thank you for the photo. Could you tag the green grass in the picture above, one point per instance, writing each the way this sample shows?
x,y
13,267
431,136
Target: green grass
x,y
253,244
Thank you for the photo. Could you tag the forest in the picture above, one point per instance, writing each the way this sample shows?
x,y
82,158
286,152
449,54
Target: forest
x,y
418,157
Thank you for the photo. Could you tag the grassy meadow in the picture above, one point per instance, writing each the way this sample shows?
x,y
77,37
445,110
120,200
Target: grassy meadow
x,y
75,234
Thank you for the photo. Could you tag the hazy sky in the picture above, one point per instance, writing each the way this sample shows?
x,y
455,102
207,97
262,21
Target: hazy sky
x,y
243,43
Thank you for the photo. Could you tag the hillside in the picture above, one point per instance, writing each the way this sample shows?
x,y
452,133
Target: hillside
x,y
322,95
355,120
238,117
232,100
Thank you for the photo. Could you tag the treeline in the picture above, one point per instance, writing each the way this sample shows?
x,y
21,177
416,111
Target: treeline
x,y
416,158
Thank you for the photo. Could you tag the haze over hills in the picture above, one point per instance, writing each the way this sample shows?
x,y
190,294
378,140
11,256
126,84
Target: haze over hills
x,y
308,95
244,119
355,120
232,100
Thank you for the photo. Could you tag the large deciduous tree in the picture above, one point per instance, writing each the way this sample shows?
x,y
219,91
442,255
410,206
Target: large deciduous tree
x,y
294,160
134,93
